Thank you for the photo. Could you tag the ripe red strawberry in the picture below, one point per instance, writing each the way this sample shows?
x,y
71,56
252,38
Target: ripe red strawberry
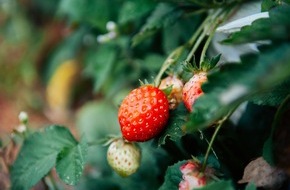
x,y
124,157
192,89
143,114
192,177
175,96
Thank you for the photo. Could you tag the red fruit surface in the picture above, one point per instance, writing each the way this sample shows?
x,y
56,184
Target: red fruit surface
x,y
143,114
192,89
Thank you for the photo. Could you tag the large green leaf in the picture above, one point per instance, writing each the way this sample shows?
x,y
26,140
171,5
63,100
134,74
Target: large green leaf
x,y
235,83
275,96
173,129
163,15
71,161
173,177
39,154
275,28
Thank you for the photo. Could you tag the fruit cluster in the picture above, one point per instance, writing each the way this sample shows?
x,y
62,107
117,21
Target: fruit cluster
x,y
143,115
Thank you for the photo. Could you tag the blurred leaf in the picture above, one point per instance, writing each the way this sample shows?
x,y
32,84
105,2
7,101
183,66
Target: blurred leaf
x,y
65,51
94,13
70,163
206,3
39,154
134,9
268,151
224,185
163,15
99,64
104,183
268,4
274,28
275,96
173,129
278,126
235,83
97,119
173,177
181,31
152,62
47,7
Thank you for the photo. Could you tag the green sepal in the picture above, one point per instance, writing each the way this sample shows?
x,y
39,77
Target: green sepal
x,y
167,90
209,64
190,67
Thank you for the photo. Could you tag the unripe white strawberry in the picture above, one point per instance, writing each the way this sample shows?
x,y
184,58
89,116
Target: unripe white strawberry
x,y
175,96
124,157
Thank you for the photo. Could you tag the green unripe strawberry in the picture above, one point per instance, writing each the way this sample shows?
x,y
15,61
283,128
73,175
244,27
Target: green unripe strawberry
x,y
124,157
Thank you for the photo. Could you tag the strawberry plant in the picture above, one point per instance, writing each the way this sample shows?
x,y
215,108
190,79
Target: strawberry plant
x,y
212,112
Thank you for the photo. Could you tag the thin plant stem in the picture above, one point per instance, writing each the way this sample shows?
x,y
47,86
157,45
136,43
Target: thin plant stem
x,y
171,59
209,148
201,33
212,32
196,45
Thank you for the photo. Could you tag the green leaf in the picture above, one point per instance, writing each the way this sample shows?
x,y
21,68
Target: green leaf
x,y
173,129
268,4
163,15
97,119
94,13
38,155
235,83
268,151
70,163
279,122
224,185
181,31
134,9
173,177
275,28
275,96
99,64
65,51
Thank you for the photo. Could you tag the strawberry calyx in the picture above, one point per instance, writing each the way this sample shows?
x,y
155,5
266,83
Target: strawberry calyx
x,y
209,63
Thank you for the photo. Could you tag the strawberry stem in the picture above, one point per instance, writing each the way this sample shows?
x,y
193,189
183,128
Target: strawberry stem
x,y
221,17
209,148
200,35
171,59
